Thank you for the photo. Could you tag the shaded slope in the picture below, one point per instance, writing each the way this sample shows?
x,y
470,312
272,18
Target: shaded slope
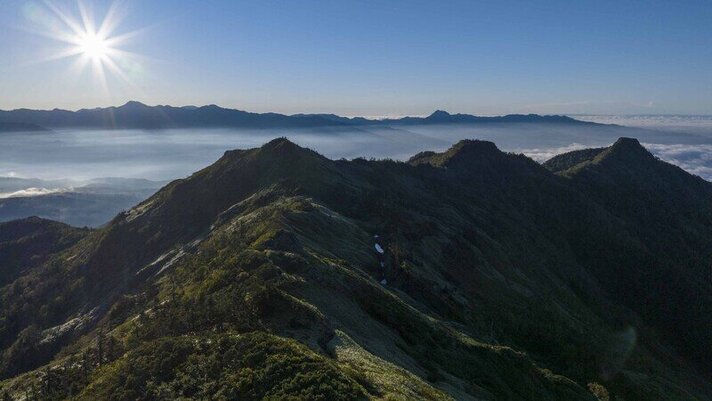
x,y
662,271
491,292
30,242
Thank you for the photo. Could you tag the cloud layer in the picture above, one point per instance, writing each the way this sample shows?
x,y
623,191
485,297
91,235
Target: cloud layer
x,y
695,159
31,192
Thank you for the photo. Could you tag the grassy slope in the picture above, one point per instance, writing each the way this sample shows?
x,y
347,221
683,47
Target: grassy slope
x,y
29,242
279,240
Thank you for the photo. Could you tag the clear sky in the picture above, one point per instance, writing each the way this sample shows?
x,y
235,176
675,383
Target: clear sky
x,y
372,58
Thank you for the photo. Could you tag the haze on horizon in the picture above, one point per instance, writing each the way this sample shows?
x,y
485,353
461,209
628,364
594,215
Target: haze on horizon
x,y
363,58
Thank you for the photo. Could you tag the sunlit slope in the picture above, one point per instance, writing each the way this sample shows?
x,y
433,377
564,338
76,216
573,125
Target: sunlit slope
x,y
259,278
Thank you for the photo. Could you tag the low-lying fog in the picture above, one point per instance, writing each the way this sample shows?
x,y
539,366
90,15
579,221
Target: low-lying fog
x,y
62,175
169,154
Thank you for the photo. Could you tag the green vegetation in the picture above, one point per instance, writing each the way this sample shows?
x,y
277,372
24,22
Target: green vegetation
x,y
256,278
29,242
251,366
569,160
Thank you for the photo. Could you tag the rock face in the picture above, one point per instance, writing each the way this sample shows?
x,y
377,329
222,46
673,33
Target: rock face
x,y
470,274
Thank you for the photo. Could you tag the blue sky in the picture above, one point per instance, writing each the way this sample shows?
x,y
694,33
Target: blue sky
x,y
376,58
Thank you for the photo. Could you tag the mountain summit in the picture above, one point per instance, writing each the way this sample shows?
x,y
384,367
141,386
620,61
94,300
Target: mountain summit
x,y
135,114
471,274
464,152
132,104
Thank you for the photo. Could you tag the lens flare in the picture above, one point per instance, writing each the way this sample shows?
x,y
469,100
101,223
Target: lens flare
x,y
98,48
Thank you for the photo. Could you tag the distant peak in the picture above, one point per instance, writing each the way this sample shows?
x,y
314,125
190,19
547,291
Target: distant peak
x,y
463,153
133,104
628,146
439,114
627,150
470,151
628,142
474,146
279,142
279,148
211,106
283,148
279,159
624,152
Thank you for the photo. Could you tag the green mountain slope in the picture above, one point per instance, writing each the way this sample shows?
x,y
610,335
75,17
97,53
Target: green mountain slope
x,y
668,215
30,242
262,277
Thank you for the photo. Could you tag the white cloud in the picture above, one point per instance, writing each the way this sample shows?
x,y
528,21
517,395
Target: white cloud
x,y
543,154
695,159
31,192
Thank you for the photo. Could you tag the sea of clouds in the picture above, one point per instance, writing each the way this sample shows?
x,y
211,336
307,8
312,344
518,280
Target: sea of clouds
x,y
694,132
171,154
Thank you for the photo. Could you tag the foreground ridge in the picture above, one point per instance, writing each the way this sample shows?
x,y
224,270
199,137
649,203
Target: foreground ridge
x,y
470,274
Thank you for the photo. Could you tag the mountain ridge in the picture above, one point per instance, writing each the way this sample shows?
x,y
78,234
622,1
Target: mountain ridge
x,y
499,279
135,114
88,203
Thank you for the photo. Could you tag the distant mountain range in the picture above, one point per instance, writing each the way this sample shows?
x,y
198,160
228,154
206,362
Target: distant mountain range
x,y
77,203
279,274
140,116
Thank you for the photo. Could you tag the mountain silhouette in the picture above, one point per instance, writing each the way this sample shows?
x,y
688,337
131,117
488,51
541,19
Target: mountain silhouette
x,y
140,116
469,274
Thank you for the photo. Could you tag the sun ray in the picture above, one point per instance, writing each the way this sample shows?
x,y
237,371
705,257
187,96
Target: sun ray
x,y
100,75
79,65
65,37
86,18
111,21
124,37
69,21
67,53
94,45
119,72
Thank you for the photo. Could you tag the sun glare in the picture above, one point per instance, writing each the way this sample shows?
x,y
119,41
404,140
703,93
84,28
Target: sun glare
x,y
91,44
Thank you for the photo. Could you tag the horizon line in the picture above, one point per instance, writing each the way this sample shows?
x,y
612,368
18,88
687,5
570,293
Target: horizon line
x,y
368,117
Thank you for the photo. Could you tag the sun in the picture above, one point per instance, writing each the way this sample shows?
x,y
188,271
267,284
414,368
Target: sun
x,y
93,45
